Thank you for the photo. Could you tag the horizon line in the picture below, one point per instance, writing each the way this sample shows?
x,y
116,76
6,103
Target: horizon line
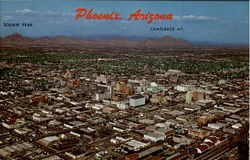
x,y
112,37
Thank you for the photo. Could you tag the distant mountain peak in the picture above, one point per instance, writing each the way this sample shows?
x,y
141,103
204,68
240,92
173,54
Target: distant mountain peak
x,y
168,41
16,35
19,40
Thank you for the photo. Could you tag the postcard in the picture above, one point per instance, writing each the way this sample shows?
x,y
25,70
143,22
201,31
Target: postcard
x,y
124,80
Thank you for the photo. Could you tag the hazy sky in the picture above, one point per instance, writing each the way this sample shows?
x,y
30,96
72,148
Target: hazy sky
x,y
216,22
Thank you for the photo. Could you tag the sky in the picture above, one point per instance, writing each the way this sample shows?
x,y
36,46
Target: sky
x,y
202,21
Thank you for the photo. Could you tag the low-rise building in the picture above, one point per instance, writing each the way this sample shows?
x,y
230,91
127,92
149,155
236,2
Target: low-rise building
x,y
137,100
204,102
198,133
237,126
154,136
184,88
75,154
217,125
136,145
109,110
158,99
102,79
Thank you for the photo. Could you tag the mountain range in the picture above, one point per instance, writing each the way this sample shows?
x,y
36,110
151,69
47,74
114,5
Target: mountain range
x,y
18,40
